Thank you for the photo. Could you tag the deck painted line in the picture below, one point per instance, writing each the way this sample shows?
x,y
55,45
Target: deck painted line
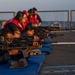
x,y
60,31
58,69
66,66
61,43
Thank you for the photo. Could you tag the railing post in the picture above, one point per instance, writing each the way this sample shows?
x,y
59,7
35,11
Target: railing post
x,y
70,19
14,13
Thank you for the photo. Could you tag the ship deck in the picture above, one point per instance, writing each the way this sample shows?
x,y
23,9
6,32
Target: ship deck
x,y
62,59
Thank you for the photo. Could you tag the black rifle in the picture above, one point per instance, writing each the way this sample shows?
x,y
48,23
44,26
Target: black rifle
x,y
5,47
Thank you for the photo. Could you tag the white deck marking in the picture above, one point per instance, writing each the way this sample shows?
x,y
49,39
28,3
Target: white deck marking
x,y
61,43
66,66
58,69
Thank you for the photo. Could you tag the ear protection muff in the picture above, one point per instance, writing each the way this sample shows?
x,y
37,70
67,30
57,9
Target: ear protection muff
x,y
1,39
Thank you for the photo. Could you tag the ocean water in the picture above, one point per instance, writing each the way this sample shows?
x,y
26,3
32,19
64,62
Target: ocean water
x,y
64,24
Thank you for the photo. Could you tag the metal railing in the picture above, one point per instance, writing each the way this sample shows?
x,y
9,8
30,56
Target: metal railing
x,y
65,17
51,16
6,15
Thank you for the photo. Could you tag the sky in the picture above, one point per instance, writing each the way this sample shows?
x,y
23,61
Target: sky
x,y
16,5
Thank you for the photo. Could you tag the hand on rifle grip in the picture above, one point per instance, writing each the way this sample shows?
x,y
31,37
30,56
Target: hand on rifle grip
x,y
36,38
13,52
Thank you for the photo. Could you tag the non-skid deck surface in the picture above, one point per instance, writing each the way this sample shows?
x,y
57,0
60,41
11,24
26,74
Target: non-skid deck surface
x,y
62,59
